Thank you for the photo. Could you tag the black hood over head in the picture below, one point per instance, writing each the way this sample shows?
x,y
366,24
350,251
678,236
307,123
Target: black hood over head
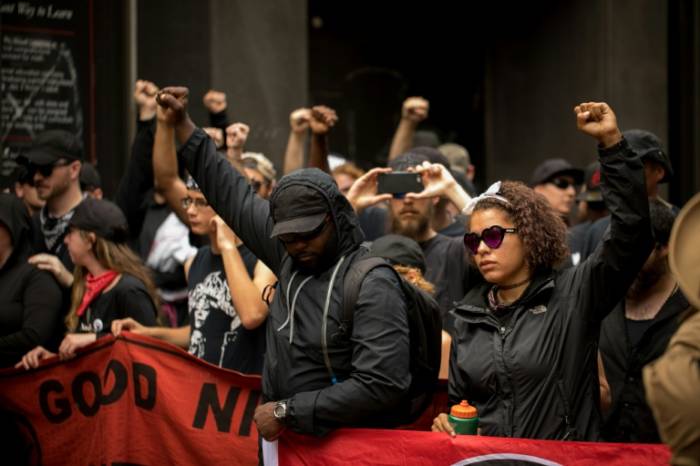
x,y
348,232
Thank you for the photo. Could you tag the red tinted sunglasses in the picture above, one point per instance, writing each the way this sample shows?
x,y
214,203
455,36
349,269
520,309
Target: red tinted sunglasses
x,y
491,236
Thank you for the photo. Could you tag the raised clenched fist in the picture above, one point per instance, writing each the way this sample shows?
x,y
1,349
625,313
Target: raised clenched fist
x,y
299,120
322,119
214,101
216,135
173,104
598,120
145,98
415,109
237,135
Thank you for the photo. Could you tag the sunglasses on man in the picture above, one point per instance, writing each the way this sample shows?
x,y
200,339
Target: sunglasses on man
x,y
46,170
562,183
491,236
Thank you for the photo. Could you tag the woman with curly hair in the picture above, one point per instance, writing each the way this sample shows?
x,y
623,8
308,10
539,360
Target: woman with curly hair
x,y
109,280
524,350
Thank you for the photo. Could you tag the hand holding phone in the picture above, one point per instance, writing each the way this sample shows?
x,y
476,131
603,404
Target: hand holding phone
x,y
399,183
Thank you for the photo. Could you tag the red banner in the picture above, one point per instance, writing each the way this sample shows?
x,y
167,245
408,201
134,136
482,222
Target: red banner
x,y
135,400
400,447
131,400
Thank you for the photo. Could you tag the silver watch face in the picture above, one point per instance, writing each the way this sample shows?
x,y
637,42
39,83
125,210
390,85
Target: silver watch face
x,y
280,410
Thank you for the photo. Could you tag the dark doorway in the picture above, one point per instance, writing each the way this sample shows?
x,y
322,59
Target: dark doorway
x,y
367,57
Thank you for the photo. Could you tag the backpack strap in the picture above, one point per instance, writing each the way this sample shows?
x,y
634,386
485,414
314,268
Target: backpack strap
x,y
352,283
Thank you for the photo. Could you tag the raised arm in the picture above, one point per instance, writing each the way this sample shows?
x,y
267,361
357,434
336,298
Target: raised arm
x,y
226,190
294,154
167,180
215,103
603,279
414,110
138,176
322,120
246,292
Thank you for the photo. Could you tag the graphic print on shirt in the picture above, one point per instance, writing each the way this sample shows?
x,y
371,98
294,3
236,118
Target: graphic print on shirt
x,y
212,294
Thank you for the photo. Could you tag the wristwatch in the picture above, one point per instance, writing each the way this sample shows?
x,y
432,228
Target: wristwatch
x,y
280,410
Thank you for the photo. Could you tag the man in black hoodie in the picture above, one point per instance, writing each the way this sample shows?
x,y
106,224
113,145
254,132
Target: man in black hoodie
x,y
318,373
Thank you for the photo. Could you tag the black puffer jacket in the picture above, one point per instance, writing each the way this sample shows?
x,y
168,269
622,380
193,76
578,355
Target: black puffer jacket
x,y
536,376
371,364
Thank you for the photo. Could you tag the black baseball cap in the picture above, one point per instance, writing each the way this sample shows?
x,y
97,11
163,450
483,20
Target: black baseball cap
x,y
297,208
592,193
52,145
101,217
551,168
399,250
648,146
89,176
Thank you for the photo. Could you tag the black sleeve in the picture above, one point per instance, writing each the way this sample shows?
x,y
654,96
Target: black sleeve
x,y
137,180
219,120
232,197
136,303
602,280
42,317
456,383
380,362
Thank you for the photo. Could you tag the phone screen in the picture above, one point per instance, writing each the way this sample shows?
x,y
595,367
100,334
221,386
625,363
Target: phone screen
x,y
399,183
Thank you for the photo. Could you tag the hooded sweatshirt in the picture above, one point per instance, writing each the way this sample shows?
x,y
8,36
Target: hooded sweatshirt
x,y
30,299
369,368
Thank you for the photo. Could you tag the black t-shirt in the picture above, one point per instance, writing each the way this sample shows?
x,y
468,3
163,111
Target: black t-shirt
x,y
217,334
636,330
128,298
456,229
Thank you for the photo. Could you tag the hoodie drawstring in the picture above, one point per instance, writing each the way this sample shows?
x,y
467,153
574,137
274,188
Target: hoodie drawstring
x,y
290,311
324,325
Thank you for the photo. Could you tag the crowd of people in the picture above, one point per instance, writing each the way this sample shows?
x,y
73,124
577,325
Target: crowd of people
x,y
552,295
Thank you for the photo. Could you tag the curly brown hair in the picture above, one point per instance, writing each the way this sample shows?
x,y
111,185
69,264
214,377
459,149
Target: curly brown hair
x,y
541,230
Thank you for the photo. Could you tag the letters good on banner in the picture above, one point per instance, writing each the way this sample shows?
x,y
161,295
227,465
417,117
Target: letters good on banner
x,y
130,399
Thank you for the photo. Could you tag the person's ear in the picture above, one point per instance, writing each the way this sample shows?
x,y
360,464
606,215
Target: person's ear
x,y
471,171
659,172
19,190
92,239
75,167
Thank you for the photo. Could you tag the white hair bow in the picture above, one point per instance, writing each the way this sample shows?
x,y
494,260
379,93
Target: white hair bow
x,y
491,193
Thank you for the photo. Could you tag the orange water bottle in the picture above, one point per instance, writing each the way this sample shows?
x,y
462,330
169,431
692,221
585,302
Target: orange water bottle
x,y
464,418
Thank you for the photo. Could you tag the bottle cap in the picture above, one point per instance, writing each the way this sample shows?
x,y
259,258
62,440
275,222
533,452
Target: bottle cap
x,y
463,410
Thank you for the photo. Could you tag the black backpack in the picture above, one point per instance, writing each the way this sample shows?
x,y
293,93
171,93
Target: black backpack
x,y
425,335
